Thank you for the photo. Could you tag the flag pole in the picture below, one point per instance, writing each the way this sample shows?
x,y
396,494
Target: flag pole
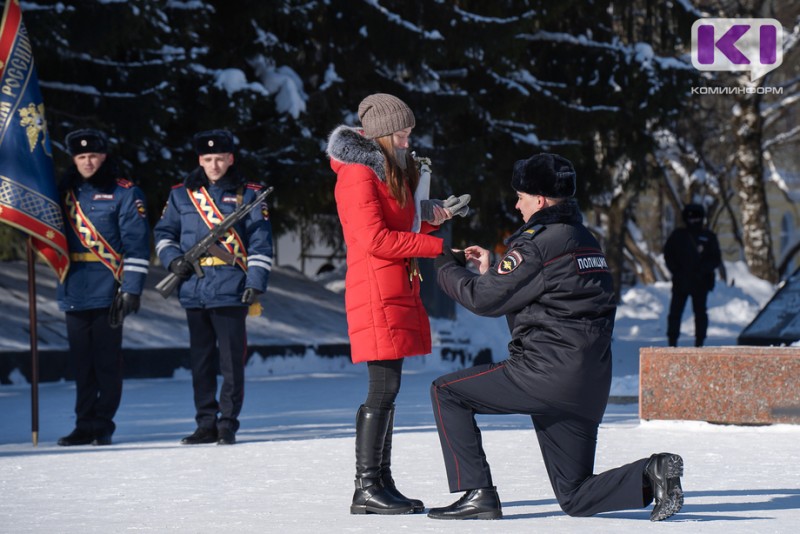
x,y
34,345
27,178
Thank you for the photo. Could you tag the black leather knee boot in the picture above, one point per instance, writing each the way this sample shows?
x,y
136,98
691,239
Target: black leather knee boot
x,y
371,497
386,467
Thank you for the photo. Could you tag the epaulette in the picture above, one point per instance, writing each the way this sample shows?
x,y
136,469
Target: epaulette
x,y
534,230
176,186
254,186
122,182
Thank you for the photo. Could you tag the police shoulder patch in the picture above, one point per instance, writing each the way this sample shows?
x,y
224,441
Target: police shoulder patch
x,y
590,261
510,261
140,209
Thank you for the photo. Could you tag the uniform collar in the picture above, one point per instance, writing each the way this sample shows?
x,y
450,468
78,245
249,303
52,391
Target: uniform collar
x,y
566,212
104,179
197,179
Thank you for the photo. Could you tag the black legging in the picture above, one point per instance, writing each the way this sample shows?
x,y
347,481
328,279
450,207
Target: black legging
x,y
384,383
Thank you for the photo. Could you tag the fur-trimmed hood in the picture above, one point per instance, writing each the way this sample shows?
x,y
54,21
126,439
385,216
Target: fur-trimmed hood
x,y
347,145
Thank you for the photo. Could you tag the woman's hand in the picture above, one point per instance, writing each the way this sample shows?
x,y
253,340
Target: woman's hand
x,y
440,215
479,257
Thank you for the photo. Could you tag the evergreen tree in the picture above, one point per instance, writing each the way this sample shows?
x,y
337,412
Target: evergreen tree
x,y
490,83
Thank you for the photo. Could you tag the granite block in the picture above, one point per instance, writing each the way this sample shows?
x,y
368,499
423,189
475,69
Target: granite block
x,y
731,385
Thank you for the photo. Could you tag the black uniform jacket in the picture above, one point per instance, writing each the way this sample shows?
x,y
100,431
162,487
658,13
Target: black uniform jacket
x,y
692,255
555,289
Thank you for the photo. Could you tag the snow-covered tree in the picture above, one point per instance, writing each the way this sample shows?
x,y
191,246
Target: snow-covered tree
x,y
722,150
602,83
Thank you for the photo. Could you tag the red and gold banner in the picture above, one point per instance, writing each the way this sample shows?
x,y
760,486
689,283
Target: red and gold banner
x,y
28,194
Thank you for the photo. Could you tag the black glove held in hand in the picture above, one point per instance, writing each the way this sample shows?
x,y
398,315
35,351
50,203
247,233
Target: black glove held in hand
x,y
181,268
426,209
130,303
455,205
448,256
250,295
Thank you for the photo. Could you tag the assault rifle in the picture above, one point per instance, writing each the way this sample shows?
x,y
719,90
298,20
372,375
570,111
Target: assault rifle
x,y
168,284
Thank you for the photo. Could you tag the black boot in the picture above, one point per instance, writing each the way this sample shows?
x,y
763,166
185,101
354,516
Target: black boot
x,y
226,436
482,503
79,436
386,467
201,435
102,438
663,471
371,497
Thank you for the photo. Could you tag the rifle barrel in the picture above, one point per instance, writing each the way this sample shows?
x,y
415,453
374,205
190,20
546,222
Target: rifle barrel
x,y
168,284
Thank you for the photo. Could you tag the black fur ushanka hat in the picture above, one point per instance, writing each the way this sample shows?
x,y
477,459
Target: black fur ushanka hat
x,y
85,141
548,175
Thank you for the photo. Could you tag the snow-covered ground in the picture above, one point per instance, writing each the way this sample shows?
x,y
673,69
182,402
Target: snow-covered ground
x,y
293,466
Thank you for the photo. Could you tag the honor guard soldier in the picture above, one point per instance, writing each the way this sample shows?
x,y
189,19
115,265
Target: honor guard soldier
x,y
234,273
555,288
109,250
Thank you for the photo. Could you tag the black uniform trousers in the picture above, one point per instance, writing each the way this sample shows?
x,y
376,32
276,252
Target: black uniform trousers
x,y
218,341
96,354
678,303
567,442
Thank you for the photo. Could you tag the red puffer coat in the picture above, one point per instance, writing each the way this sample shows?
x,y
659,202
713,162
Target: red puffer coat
x,y
385,316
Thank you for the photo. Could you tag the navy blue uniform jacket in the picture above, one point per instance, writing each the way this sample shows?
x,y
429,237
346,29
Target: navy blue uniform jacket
x,y
181,227
117,210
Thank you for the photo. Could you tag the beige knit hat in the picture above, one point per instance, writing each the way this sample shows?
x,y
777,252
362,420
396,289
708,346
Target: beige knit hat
x,y
383,114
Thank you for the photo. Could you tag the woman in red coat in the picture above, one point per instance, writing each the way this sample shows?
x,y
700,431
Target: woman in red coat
x,y
376,180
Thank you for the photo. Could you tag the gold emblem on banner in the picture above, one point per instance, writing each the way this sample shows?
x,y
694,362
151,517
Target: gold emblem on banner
x,y
32,119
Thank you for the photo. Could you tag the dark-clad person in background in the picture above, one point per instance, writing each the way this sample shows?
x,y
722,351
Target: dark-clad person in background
x,y
109,250
555,289
692,255
235,273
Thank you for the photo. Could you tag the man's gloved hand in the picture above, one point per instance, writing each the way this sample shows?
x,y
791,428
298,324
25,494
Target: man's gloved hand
x,y
449,256
122,305
458,205
181,268
250,295
130,303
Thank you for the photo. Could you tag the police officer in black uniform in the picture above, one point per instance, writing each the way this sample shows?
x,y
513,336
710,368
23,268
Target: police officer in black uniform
x,y
692,255
109,250
555,289
235,273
